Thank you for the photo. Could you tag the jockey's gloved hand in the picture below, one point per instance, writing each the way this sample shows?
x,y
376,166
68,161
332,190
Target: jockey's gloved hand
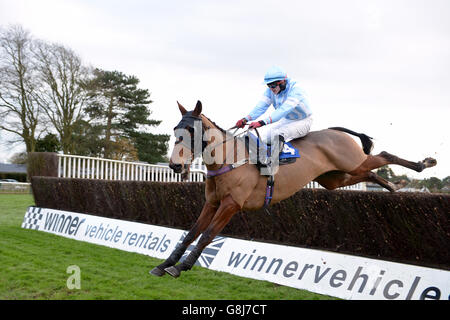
x,y
256,124
241,123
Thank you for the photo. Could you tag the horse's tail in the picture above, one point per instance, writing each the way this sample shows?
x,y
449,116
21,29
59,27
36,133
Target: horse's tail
x,y
365,139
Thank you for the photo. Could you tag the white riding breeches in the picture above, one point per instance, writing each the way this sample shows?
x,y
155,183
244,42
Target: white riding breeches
x,y
288,129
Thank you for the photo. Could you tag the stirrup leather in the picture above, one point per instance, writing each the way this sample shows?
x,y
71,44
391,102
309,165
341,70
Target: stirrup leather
x,y
269,191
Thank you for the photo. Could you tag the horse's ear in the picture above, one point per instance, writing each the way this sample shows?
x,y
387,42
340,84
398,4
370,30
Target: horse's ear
x,y
198,109
182,109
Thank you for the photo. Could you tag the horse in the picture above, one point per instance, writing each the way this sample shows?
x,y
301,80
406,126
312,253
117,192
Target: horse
x,y
330,157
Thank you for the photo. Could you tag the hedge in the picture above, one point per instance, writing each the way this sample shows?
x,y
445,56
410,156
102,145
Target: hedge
x,y
42,164
404,227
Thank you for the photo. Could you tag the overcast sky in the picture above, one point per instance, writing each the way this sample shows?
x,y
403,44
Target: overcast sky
x,y
374,66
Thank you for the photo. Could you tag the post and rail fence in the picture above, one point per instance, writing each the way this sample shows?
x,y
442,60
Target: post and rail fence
x,y
73,166
15,187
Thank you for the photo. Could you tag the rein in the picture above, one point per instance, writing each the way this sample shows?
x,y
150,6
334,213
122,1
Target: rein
x,y
229,167
233,137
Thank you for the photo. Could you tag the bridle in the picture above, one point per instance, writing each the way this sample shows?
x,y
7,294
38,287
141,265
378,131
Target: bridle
x,y
224,169
188,121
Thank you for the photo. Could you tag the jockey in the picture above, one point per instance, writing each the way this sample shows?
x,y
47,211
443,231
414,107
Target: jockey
x,y
292,116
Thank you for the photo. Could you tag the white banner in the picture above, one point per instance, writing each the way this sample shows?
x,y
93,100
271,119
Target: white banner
x,y
147,239
334,274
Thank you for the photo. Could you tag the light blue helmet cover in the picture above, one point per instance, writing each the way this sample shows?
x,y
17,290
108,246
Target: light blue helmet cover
x,y
274,74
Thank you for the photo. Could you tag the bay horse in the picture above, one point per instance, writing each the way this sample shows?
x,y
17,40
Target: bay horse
x,y
331,157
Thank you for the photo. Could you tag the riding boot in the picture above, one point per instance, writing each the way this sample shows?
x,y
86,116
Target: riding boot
x,y
267,161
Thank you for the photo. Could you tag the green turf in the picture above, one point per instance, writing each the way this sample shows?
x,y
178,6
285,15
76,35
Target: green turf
x,y
33,265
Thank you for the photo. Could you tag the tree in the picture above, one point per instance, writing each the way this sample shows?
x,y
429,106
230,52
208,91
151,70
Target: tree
x,y
120,109
386,172
432,183
123,149
446,182
62,95
19,158
20,113
87,139
152,148
49,143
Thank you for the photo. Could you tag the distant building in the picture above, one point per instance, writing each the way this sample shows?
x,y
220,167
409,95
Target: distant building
x,y
13,168
423,189
13,171
374,187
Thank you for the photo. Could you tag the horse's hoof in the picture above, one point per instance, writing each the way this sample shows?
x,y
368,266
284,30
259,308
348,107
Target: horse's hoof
x,y
157,272
429,162
173,271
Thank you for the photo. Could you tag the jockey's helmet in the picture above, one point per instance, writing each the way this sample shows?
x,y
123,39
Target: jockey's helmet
x,y
274,74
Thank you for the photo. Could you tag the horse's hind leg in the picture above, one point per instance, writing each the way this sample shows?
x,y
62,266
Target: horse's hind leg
x,y
337,179
384,158
202,223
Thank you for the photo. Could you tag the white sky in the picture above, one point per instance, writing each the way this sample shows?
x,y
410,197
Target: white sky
x,y
375,66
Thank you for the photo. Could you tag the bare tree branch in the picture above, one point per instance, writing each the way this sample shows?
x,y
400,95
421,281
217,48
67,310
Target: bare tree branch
x,y
62,97
19,112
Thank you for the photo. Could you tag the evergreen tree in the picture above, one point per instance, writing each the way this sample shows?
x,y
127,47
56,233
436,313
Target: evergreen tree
x,y
386,172
87,139
49,143
446,181
121,110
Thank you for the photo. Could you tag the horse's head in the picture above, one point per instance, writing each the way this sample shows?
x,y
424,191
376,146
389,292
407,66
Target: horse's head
x,y
188,144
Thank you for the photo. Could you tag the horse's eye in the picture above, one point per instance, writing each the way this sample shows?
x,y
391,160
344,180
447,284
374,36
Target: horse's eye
x,y
179,139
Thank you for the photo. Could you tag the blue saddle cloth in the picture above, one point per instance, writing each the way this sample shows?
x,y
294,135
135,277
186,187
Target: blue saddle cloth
x,y
289,151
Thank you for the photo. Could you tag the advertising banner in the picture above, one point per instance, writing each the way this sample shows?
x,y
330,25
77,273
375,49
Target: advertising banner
x,y
324,272
142,238
334,274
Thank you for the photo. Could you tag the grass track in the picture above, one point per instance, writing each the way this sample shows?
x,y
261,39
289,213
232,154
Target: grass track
x,y
33,265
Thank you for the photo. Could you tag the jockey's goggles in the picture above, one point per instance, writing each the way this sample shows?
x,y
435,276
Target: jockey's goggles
x,y
273,85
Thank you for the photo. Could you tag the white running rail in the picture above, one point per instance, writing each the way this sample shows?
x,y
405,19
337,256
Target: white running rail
x,y
359,186
73,166
15,187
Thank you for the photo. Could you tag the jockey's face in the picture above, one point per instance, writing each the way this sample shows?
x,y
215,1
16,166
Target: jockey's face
x,y
275,86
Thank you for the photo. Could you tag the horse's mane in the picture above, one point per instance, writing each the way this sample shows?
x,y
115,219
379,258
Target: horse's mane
x,y
215,124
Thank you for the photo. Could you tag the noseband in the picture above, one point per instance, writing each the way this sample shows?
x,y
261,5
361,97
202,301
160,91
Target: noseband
x,y
188,123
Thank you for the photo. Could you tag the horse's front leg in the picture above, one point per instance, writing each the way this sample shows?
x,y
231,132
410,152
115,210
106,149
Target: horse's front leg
x,y
228,207
201,224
